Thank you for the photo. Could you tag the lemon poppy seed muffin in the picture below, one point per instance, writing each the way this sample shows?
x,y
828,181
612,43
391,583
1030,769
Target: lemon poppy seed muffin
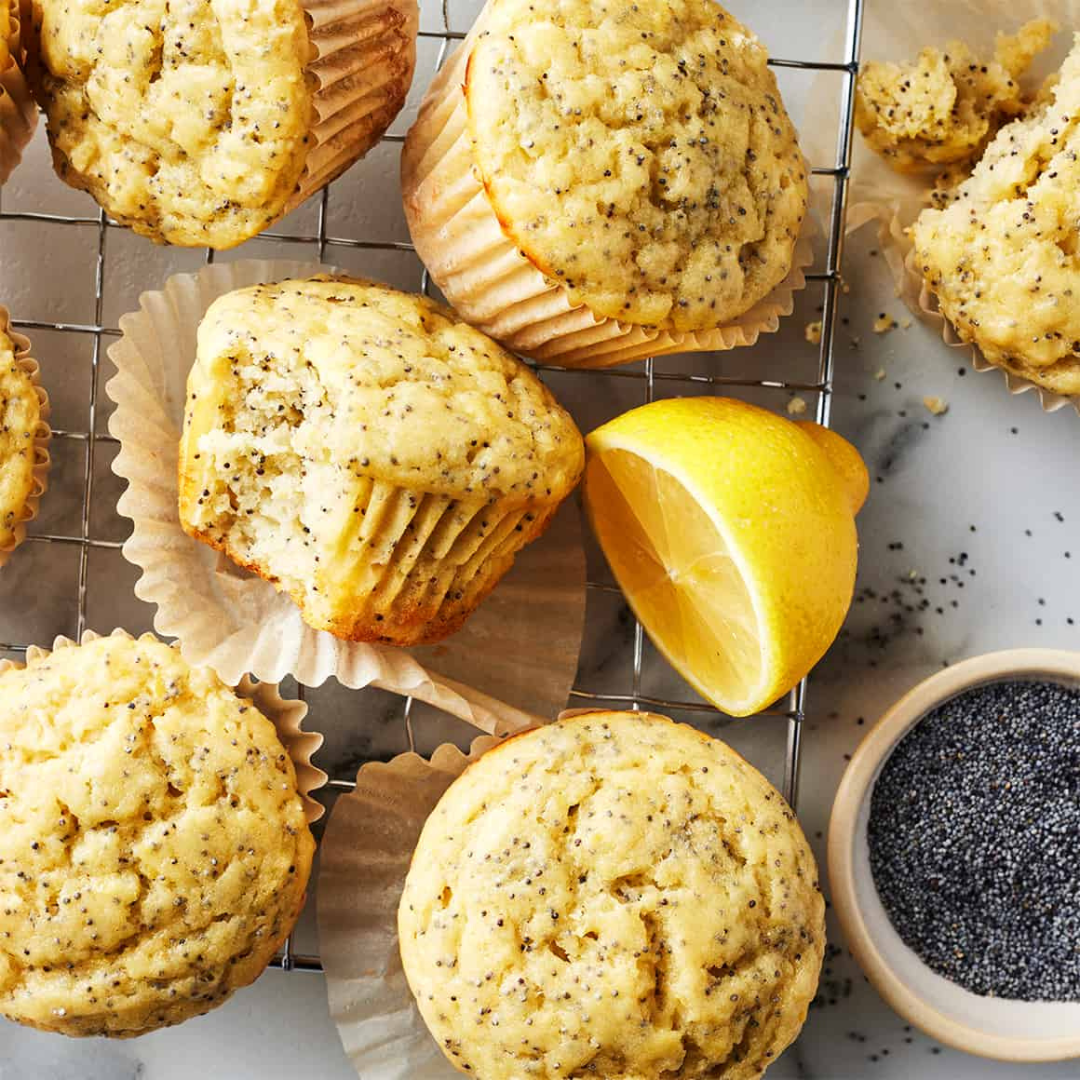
x,y
368,453
153,848
586,174
612,895
946,106
1001,258
23,410
199,122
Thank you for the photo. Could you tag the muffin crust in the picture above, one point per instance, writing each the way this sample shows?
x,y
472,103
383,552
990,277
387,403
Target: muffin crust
x,y
1002,259
638,155
153,847
612,895
187,120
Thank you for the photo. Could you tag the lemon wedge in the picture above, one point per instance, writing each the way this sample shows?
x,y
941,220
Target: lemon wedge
x,y
731,531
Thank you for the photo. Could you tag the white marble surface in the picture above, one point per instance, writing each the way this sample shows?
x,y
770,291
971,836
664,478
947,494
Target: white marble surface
x,y
990,485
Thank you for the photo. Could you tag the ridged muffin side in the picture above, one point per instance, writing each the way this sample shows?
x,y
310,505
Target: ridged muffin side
x,y
367,453
18,114
24,435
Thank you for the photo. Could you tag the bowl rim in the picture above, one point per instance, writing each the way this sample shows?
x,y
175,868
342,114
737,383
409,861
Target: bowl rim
x,y
855,785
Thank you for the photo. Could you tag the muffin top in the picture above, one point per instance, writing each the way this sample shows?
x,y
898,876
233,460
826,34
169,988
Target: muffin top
x,y
638,154
943,108
153,847
381,384
20,414
617,895
186,120
1002,258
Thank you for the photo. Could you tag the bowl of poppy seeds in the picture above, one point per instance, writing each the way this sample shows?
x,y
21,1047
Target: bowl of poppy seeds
x,y
954,855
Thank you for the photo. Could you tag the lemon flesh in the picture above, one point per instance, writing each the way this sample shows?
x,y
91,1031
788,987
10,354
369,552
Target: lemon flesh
x,y
731,532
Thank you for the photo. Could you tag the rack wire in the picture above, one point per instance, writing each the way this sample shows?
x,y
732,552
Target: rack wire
x,y
793,708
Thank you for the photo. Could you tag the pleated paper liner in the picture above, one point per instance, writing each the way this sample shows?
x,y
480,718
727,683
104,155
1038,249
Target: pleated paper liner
x,y
521,647
487,279
917,295
365,56
40,473
365,855
18,113
285,714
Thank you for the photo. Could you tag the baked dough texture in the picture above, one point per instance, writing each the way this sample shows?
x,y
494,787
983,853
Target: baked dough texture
x,y
153,847
639,154
1002,259
186,120
20,417
370,454
944,108
613,895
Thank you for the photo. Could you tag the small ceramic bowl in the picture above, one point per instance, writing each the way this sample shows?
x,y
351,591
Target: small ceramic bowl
x,y
991,1027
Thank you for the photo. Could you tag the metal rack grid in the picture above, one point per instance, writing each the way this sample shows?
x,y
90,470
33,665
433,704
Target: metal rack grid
x,y
793,708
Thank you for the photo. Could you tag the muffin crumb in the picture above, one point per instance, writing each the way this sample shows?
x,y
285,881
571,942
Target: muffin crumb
x,y
944,108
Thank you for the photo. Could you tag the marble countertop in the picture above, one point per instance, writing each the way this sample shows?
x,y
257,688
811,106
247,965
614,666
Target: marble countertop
x,y
975,511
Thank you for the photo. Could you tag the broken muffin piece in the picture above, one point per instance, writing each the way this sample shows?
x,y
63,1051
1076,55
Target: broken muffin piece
x,y
945,107
1002,259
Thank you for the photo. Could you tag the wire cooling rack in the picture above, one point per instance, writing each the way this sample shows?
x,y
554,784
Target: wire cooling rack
x,y
84,536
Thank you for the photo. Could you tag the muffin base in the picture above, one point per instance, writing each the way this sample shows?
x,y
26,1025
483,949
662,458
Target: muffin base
x,y
18,113
917,295
438,557
495,287
41,438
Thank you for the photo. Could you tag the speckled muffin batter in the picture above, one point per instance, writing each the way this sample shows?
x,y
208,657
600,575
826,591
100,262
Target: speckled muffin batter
x,y
20,416
1002,259
946,106
612,895
186,120
203,121
368,453
153,847
638,154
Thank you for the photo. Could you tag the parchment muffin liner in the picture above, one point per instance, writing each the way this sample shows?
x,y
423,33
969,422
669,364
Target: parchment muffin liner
x,y
237,623
363,65
496,288
892,201
18,113
40,470
365,855
286,714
